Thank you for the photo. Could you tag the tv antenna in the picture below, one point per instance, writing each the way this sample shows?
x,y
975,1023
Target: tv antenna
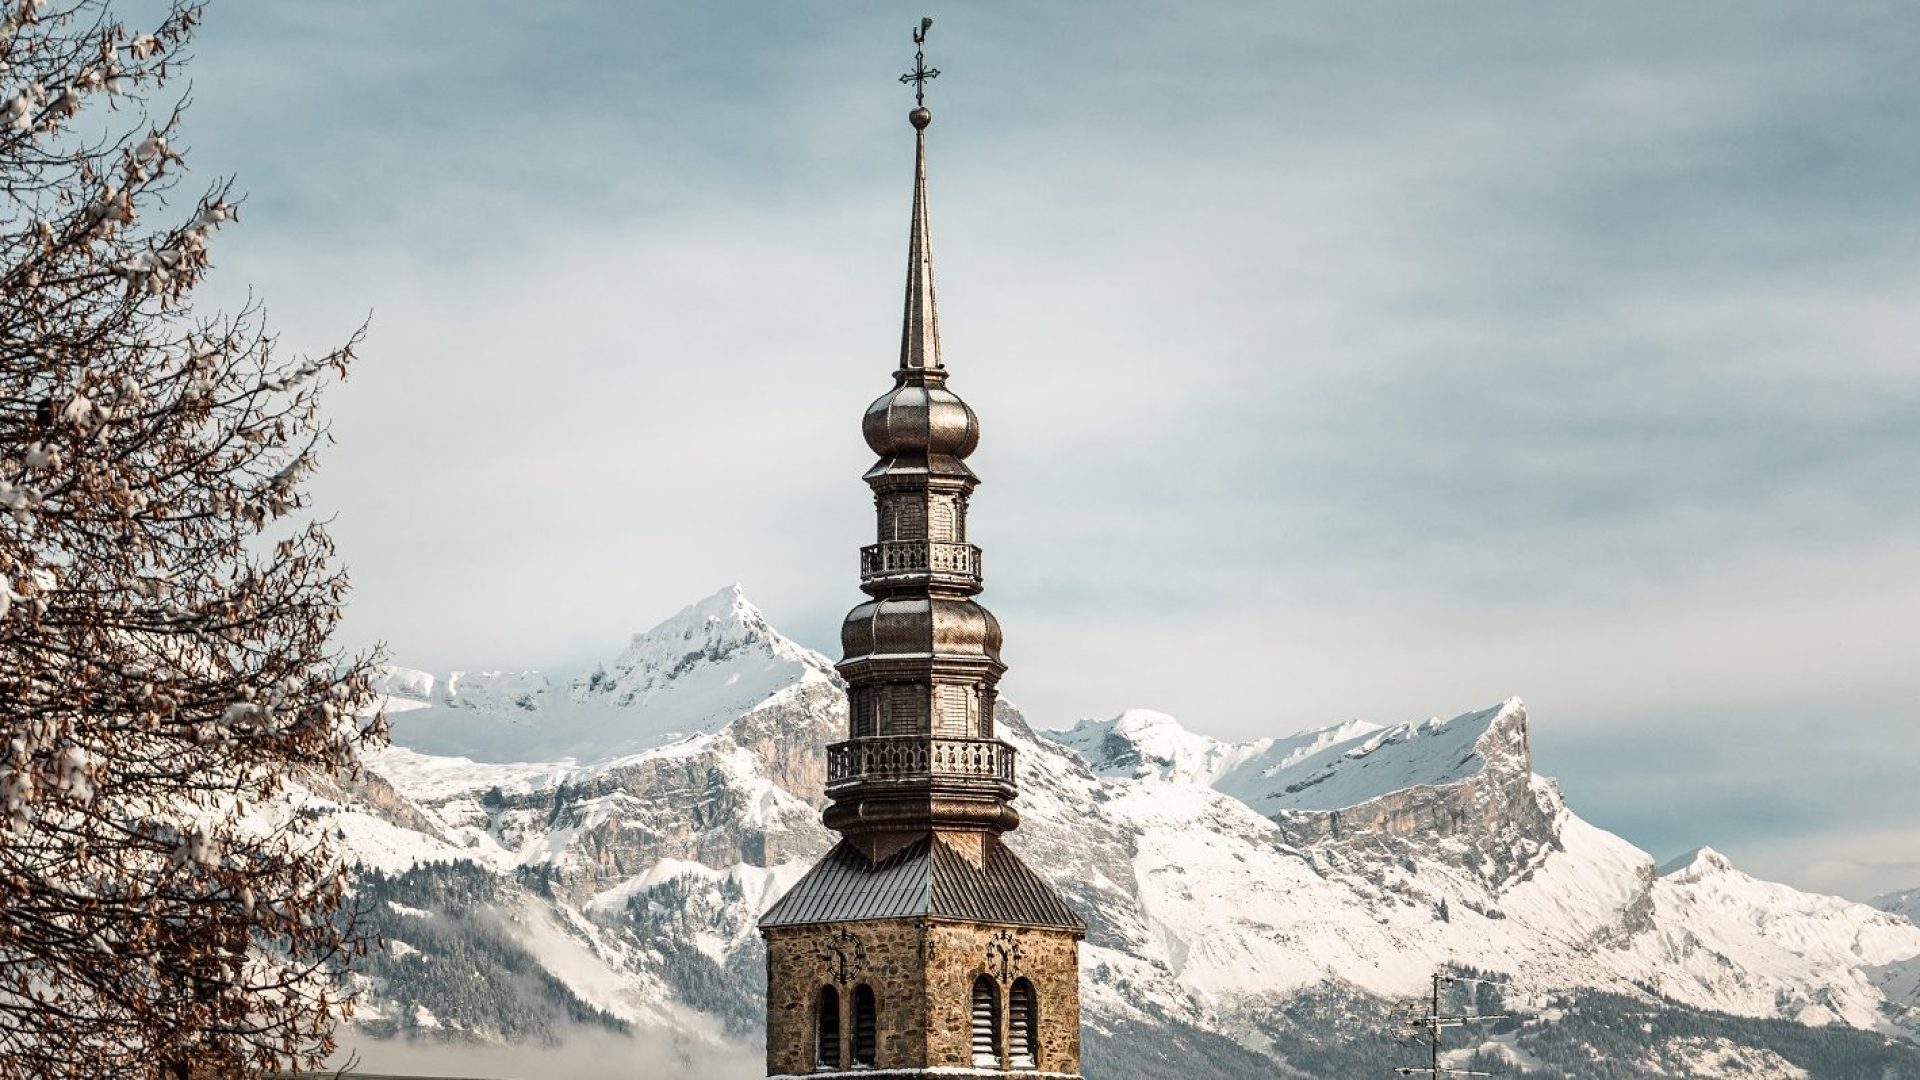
x,y
1426,1027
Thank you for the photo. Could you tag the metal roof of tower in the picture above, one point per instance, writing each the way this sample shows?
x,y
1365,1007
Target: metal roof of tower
x,y
926,879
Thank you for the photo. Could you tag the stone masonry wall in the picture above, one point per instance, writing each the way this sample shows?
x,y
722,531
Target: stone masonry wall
x,y
884,955
922,976
960,953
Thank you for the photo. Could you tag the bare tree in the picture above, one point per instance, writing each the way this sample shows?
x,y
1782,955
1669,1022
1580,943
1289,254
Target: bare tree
x,y
167,906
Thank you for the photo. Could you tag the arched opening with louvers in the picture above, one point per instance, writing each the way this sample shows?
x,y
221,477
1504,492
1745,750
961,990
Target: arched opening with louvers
x,y
826,1029
866,1041
1023,1025
986,1023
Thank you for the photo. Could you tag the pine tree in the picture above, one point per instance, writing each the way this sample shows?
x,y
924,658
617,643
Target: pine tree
x,y
165,612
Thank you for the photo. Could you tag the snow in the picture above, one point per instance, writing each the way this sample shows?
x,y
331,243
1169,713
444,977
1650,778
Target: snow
x,y
1905,904
1204,910
687,676
372,838
494,691
572,957
759,886
1349,771
1143,744
432,778
1232,913
402,689
1505,1047
1701,862
1712,918
1328,768
1714,1059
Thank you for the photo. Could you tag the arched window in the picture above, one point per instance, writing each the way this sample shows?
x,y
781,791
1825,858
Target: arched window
x,y
826,1029
986,1023
866,1042
1023,1025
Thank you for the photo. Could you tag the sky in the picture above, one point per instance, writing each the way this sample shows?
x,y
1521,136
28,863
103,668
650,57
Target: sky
x,y
1375,360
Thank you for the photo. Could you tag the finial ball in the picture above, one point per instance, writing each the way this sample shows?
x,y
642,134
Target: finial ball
x,y
920,117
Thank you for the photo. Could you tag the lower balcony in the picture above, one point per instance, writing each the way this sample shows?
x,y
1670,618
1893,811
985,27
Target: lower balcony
x,y
918,757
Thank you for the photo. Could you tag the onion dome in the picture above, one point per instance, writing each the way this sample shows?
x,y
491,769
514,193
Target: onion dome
x,y
916,419
950,628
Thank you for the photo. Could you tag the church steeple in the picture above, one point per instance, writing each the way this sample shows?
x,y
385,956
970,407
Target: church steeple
x,y
921,945
922,658
920,328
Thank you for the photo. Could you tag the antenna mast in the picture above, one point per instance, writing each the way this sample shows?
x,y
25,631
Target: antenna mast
x,y
1427,1026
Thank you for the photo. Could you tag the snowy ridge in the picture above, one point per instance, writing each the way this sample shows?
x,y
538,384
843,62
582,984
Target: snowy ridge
x,y
402,689
1144,744
1323,769
687,676
1432,753
1220,880
1704,907
1905,903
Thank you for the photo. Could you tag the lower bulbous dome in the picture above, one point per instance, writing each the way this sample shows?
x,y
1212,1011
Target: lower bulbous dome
x,y
919,626
916,419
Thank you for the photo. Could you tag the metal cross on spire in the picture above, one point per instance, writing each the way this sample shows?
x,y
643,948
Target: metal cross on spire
x,y
921,72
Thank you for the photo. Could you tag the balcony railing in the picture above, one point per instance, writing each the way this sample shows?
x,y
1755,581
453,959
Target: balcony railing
x,y
958,563
914,757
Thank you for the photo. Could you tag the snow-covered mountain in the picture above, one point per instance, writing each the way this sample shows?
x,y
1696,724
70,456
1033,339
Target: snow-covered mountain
x,y
689,675
1905,903
599,853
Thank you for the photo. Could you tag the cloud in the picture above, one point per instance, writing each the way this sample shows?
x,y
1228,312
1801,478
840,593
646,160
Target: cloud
x,y
1331,361
580,1054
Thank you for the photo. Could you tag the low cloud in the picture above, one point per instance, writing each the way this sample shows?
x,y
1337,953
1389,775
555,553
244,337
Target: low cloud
x,y
582,1054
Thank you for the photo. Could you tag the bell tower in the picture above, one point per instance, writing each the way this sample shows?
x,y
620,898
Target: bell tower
x,y
921,945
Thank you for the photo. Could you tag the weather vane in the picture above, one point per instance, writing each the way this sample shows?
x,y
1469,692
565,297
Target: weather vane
x,y
921,72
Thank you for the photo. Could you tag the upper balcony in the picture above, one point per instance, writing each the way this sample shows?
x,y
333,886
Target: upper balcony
x,y
918,757
906,562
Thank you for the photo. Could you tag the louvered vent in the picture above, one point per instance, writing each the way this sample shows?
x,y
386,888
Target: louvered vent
x,y
865,1038
986,1023
1022,1022
826,1042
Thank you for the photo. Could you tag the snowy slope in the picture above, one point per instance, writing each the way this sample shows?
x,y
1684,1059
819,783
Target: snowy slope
x,y
1322,769
1144,744
1905,903
1541,894
690,674
1222,882
1704,908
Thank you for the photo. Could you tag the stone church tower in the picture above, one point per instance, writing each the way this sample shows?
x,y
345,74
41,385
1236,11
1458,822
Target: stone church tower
x,y
921,945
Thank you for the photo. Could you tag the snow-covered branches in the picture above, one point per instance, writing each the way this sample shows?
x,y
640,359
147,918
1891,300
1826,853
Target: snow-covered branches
x,y
165,667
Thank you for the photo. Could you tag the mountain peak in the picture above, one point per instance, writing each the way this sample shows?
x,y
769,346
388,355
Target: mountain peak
x,y
729,603
1340,767
1904,903
692,672
1701,862
1141,743
709,632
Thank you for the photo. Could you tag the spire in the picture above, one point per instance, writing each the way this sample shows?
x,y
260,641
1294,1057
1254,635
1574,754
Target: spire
x,y
920,326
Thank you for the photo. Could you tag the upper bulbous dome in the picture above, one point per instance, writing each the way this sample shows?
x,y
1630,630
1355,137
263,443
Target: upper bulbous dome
x,y
919,419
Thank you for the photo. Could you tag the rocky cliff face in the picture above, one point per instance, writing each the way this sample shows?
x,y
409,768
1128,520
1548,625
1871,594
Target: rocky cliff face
x,y
1482,791
1236,894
